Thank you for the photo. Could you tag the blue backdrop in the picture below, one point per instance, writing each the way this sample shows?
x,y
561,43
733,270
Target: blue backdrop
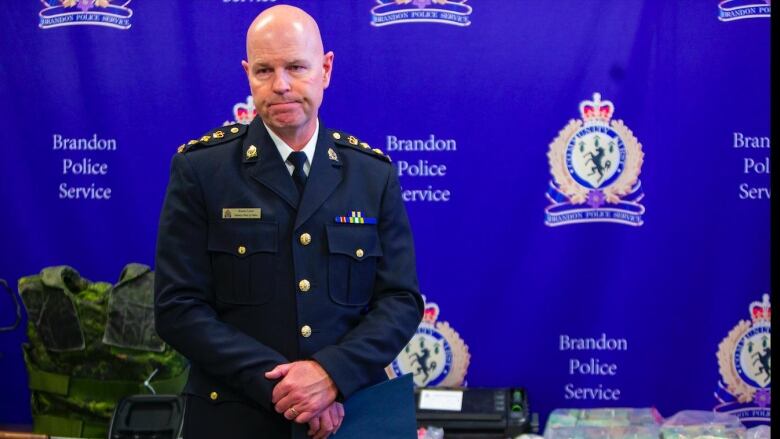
x,y
495,81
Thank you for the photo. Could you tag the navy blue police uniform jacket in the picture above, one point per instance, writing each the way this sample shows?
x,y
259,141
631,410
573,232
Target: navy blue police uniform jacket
x,y
250,274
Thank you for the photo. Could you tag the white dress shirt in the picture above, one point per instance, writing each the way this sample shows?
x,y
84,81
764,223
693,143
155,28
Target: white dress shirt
x,y
285,150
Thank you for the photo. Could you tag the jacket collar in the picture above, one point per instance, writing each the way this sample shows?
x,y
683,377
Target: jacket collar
x,y
265,165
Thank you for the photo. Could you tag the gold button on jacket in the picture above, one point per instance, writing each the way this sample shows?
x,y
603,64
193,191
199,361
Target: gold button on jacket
x,y
306,331
305,239
304,285
214,396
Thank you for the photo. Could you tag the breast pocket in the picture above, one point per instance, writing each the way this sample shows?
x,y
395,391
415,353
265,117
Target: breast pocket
x,y
354,251
243,258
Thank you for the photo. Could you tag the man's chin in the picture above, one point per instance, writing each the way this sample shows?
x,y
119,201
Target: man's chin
x,y
285,123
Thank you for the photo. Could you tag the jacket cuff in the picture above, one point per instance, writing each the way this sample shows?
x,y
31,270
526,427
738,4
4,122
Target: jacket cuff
x,y
260,390
347,379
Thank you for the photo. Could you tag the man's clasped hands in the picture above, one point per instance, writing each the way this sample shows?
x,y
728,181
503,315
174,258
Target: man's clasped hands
x,y
307,394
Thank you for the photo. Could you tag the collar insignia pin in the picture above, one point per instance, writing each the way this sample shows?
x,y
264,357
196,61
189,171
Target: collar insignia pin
x,y
251,152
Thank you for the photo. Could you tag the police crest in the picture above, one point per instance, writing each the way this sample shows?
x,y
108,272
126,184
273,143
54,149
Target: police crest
x,y
454,12
243,112
436,355
59,13
745,366
595,164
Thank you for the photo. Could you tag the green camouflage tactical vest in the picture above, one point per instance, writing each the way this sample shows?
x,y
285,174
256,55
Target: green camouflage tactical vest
x,y
91,344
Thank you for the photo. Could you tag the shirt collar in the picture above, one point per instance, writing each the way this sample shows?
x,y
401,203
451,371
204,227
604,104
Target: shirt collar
x,y
285,150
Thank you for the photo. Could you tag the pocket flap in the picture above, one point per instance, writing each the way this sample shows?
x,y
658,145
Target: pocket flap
x,y
359,241
243,238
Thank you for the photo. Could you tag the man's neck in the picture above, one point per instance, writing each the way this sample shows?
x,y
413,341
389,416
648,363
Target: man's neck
x,y
296,137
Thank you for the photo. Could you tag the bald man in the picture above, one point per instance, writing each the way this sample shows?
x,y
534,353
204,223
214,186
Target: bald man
x,y
285,263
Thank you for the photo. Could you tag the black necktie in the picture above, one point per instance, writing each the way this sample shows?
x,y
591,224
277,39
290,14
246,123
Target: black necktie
x,y
297,159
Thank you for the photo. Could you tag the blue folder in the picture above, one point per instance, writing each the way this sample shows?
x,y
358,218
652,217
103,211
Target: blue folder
x,y
382,411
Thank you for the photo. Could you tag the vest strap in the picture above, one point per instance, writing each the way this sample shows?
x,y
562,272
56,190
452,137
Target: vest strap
x,y
89,389
62,426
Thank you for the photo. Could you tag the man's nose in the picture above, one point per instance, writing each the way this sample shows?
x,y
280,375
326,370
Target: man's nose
x,y
281,82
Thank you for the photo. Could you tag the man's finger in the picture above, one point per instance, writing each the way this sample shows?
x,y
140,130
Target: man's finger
x,y
326,425
301,415
306,417
327,421
306,404
278,371
281,389
314,426
288,401
339,415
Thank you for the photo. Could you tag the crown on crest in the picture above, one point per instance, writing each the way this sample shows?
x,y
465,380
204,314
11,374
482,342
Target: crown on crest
x,y
430,313
244,112
596,110
761,311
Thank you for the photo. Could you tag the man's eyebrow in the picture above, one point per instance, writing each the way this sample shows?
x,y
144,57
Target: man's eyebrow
x,y
288,62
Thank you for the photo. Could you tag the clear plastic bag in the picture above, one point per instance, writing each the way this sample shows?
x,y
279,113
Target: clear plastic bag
x,y
603,423
700,424
430,432
760,432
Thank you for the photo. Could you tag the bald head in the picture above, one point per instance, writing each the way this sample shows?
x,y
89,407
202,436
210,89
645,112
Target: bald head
x,y
287,71
283,23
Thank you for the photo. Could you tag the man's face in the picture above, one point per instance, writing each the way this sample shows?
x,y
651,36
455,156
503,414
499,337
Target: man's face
x,y
287,75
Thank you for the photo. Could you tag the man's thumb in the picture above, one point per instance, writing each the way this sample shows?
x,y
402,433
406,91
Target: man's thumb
x,y
278,371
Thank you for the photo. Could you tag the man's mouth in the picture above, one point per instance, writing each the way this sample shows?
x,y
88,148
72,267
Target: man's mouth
x,y
283,104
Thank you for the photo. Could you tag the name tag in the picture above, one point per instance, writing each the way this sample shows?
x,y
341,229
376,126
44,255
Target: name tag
x,y
241,213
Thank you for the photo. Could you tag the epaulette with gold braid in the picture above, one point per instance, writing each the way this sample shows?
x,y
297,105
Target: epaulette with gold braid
x,y
348,140
214,137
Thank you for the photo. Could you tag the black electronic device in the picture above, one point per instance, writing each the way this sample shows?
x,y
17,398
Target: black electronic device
x,y
148,417
486,413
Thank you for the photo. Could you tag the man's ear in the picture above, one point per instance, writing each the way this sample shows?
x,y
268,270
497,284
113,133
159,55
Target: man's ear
x,y
245,65
327,68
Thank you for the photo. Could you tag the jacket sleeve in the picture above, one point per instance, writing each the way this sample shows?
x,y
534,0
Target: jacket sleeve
x,y
184,295
395,308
